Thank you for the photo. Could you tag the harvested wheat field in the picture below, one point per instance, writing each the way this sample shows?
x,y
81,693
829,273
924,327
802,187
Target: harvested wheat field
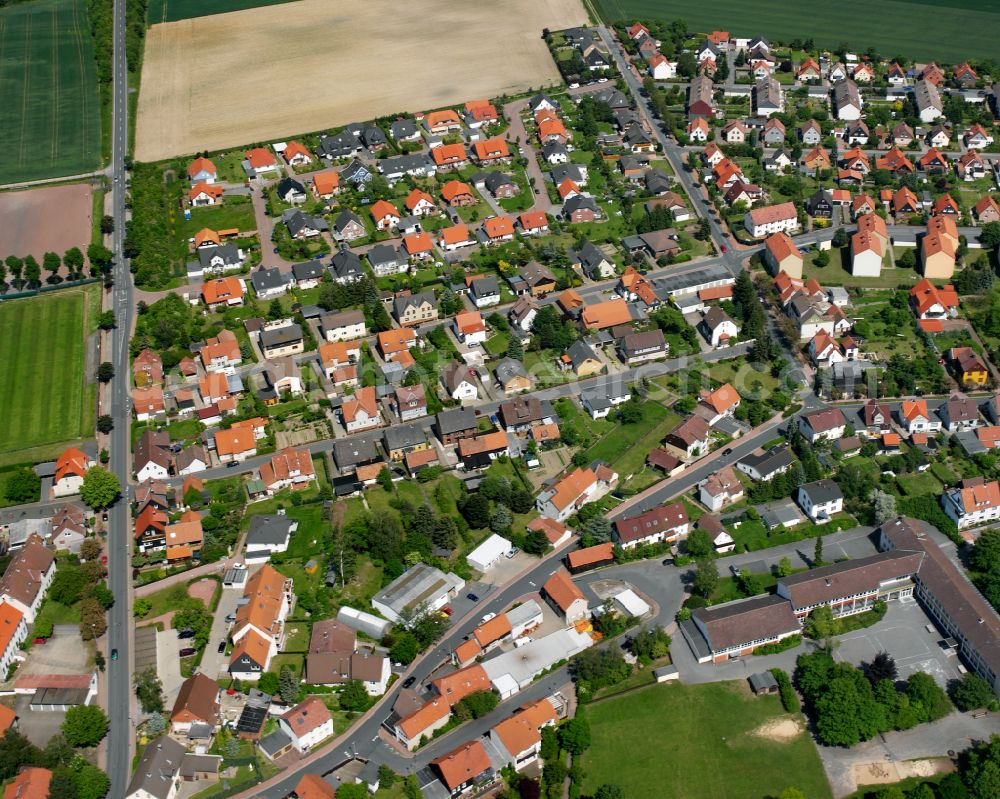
x,y
265,73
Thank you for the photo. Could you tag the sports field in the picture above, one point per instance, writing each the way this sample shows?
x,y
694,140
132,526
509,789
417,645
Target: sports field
x,y
173,10
49,115
44,396
949,30
710,741
231,79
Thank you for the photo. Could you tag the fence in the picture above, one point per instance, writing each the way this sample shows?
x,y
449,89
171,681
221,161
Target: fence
x,y
69,284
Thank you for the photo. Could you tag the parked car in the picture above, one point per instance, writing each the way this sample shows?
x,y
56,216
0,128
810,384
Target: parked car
x,y
512,552
222,647
185,633
472,597
188,651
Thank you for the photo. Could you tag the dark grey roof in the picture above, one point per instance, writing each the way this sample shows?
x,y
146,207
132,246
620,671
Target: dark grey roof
x,y
373,136
612,97
402,129
486,286
274,743
456,419
579,202
279,336
822,491
562,171
495,180
715,316
344,218
657,181
356,172
266,279
636,135
157,767
290,185
508,369
554,148
579,352
384,254
346,264
310,270
540,98
589,256
266,529
337,319
402,436
777,457
763,681
229,253
348,452
295,221
400,304
339,145
404,164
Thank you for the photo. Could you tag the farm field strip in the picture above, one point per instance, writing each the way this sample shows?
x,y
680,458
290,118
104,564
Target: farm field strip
x,y
263,74
951,31
41,364
173,10
50,120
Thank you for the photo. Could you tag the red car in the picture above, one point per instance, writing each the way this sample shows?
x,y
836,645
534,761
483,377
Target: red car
x,y
725,249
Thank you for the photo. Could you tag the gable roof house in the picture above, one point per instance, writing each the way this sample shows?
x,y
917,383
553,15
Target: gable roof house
x,y
691,437
565,597
575,490
71,467
27,577
666,523
415,309
721,489
826,424
197,703
847,100
927,100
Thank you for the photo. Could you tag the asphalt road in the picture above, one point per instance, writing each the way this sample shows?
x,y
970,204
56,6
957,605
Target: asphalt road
x,y
119,672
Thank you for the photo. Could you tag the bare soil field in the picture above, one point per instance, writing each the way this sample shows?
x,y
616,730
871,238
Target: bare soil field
x,y
51,219
265,73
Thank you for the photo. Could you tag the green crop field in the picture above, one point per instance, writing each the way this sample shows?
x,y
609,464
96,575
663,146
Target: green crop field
x,y
173,10
951,31
711,741
44,398
50,121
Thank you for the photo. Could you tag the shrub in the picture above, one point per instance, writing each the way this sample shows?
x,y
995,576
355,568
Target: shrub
x,y
789,699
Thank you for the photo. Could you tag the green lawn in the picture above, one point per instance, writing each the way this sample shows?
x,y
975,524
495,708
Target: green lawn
x,y
231,214
50,116
46,401
744,377
713,753
296,637
626,446
919,483
172,10
57,613
837,272
921,30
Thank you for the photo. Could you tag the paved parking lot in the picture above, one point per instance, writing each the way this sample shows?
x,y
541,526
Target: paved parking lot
x,y
168,664
902,633
37,726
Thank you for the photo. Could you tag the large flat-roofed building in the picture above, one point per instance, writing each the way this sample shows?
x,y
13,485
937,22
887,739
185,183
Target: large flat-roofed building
x,y
852,586
733,629
421,588
948,596
511,671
